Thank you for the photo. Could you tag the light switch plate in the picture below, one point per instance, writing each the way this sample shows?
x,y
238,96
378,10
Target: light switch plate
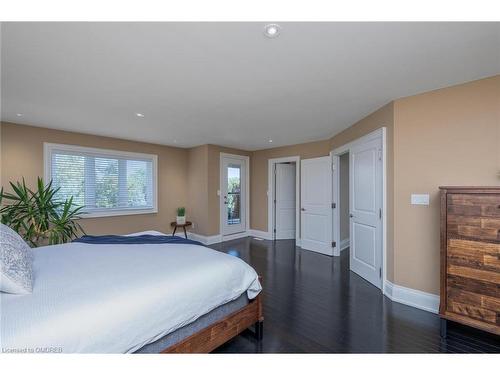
x,y
420,199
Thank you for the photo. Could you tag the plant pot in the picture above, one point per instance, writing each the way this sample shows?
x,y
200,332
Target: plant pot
x,y
181,220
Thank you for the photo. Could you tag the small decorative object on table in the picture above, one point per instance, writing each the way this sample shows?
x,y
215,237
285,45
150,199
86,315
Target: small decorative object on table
x,y
181,215
175,225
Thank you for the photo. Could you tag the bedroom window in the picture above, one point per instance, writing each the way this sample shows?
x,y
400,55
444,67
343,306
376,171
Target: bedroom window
x,y
106,182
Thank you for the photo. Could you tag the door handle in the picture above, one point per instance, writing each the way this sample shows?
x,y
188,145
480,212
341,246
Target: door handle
x,y
302,209
351,215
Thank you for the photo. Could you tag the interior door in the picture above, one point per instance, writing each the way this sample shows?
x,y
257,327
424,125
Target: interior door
x,y
316,205
285,201
365,196
233,192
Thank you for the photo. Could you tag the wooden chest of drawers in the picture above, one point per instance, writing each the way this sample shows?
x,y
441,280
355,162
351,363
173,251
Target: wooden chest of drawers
x,y
470,257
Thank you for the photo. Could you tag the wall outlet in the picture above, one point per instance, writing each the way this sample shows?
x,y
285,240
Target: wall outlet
x,y
192,225
420,199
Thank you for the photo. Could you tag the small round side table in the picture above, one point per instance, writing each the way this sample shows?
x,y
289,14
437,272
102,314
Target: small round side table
x,y
174,225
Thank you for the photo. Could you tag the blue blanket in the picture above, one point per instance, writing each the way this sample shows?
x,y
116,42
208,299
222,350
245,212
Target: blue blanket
x,y
135,240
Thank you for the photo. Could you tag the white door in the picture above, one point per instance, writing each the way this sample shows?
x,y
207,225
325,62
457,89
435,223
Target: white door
x,y
233,193
285,201
316,205
365,208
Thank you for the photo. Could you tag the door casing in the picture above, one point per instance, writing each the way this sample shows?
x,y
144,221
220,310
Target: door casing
x,y
380,133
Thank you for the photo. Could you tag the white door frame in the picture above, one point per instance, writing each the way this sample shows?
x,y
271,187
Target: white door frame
x,y
335,155
222,209
270,193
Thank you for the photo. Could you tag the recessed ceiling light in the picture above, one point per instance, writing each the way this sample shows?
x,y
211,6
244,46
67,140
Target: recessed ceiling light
x,y
272,30
19,114
139,114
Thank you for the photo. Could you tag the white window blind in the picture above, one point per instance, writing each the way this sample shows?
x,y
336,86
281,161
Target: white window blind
x,y
105,182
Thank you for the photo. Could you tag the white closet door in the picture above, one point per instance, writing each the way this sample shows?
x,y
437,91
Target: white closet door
x,y
365,174
285,201
316,201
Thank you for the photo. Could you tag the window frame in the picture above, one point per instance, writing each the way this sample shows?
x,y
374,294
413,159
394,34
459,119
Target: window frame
x,y
49,148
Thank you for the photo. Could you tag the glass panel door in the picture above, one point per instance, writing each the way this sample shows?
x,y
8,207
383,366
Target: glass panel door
x,y
233,195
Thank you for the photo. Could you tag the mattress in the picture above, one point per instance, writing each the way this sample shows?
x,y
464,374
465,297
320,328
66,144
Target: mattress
x,y
91,298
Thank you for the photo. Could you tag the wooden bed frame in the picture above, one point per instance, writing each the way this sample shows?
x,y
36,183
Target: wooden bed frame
x,y
223,330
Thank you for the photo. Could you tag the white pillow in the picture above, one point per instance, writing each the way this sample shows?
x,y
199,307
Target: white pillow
x,y
16,263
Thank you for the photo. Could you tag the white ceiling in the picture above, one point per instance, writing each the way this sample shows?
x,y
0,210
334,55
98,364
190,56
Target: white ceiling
x,y
226,83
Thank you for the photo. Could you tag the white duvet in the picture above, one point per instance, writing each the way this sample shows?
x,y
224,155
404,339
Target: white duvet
x,y
118,298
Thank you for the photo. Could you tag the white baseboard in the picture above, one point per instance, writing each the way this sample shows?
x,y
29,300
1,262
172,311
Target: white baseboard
x,y
260,234
235,236
210,240
412,297
205,240
344,244
266,235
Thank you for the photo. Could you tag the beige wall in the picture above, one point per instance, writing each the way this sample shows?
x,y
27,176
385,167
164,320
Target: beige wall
x,y
197,185
445,137
22,156
258,175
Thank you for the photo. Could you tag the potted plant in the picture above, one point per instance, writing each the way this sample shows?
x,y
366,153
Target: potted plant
x,y
38,216
181,215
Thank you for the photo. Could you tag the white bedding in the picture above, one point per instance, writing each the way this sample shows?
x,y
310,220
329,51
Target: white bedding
x,y
118,298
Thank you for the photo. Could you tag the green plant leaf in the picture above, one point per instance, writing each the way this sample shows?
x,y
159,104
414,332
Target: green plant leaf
x,y
38,215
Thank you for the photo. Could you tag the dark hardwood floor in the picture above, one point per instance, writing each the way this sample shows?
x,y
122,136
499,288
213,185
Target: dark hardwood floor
x,y
314,304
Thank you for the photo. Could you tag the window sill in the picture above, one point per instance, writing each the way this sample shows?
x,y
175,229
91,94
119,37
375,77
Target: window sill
x,y
109,213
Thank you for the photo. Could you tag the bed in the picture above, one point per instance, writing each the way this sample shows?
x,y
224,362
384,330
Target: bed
x,y
131,298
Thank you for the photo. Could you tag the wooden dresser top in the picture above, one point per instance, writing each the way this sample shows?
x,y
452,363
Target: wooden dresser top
x,y
471,189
